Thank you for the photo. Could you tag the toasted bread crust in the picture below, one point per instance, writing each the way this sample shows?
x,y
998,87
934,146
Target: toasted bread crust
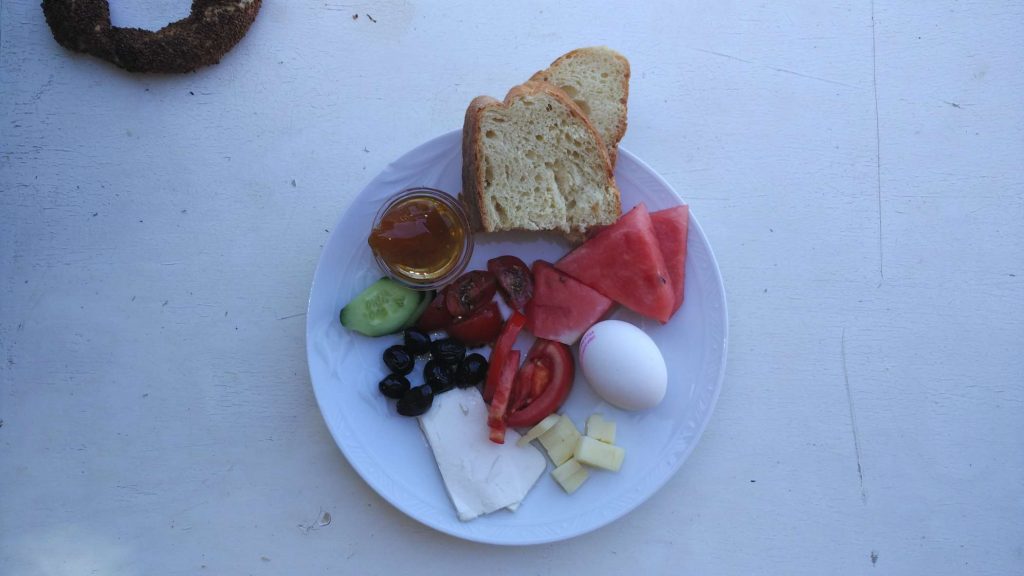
x,y
473,184
620,131
472,170
531,87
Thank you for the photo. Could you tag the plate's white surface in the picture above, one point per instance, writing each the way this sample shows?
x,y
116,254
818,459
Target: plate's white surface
x,y
389,451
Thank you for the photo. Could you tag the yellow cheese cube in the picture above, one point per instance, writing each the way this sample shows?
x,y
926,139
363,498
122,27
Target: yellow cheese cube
x,y
570,475
598,454
560,440
600,429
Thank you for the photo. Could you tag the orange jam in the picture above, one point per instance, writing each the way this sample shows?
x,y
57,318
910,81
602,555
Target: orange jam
x,y
420,237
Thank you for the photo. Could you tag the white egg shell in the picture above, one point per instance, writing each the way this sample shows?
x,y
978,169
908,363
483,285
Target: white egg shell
x,y
623,365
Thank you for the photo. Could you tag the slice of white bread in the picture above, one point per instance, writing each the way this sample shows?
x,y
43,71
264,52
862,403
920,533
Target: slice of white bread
x,y
597,79
534,162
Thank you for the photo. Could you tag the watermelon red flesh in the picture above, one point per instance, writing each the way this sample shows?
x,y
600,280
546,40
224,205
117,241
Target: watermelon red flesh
x,y
562,308
624,263
670,227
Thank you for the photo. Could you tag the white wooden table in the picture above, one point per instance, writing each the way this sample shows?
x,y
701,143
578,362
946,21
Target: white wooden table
x,y
857,166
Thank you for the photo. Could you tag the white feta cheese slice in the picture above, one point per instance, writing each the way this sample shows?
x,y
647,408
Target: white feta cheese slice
x,y
480,476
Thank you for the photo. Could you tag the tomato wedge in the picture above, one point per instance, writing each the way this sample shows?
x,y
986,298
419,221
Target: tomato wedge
x,y
521,387
503,390
436,316
531,380
514,280
479,328
502,346
542,384
469,292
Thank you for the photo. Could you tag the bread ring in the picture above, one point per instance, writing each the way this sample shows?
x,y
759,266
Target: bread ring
x,y
211,29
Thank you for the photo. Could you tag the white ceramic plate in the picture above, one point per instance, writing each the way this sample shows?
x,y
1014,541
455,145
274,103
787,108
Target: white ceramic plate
x,y
389,451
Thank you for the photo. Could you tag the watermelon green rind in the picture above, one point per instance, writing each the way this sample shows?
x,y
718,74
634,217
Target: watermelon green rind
x,y
624,263
562,308
670,227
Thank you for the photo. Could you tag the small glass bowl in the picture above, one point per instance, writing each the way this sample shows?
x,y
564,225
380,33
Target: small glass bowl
x,y
449,272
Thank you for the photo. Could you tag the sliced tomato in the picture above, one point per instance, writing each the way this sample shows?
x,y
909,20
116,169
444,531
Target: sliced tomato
x,y
502,346
514,280
523,386
479,328
543,383
469,292
496,412
436,316
532,379
535,381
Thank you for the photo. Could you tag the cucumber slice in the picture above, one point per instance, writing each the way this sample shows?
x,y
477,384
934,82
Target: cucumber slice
x,y
383,308
428,297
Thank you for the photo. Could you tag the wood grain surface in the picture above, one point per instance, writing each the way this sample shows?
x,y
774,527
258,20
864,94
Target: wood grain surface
x,y
857,166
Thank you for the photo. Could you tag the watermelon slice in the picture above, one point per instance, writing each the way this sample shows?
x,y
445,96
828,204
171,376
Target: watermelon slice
x,y
562,308
624,263
670,227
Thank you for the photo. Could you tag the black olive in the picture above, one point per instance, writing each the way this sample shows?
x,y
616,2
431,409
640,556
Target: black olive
x,y
471,371
438,375
416,401
448,351
398,359
417,341
394,386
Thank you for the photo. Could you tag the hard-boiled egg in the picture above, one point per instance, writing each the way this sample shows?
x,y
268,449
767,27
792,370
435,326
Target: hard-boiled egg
x,y
623,365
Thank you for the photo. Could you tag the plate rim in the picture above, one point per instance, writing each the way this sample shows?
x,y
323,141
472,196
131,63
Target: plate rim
x,y
655,487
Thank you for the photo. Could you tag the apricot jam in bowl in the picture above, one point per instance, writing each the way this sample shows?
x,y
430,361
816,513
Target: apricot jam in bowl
x,y
421,237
